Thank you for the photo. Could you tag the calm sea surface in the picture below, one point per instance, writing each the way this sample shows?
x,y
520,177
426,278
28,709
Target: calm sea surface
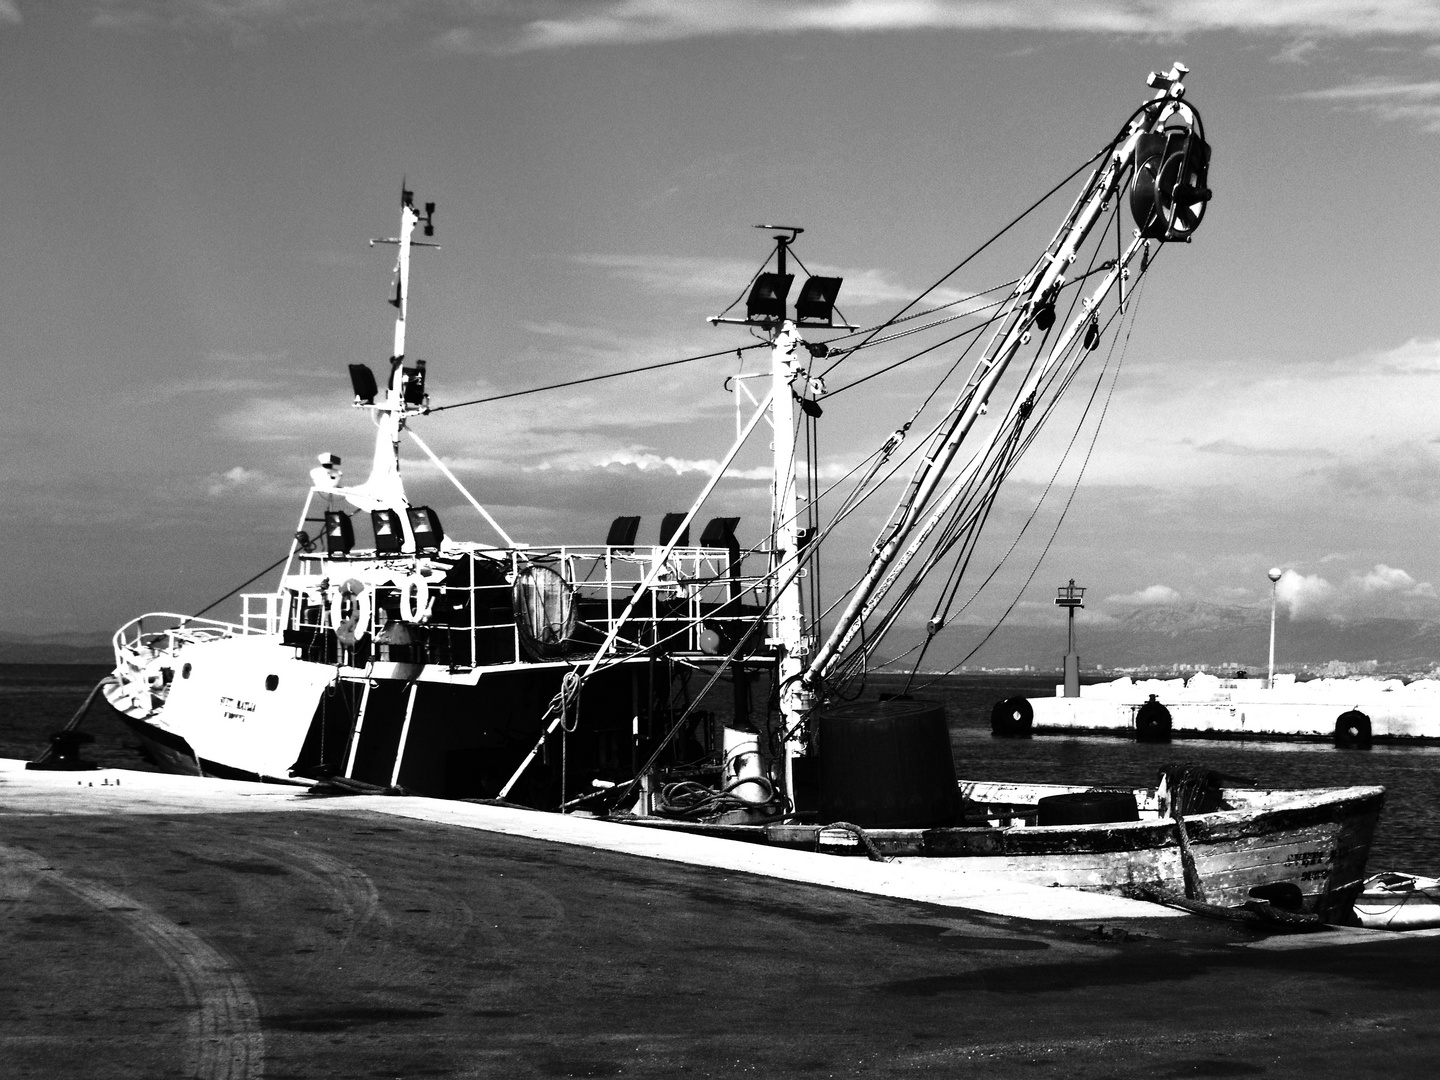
x,y
36,699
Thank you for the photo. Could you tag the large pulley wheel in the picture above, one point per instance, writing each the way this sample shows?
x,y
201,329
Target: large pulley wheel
x,y
1169,195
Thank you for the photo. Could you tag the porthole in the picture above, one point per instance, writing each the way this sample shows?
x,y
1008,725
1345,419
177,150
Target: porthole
x,y
185,672
272,681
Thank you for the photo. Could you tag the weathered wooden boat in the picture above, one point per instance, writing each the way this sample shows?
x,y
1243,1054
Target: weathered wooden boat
x,y
557,677
1277,855
887,789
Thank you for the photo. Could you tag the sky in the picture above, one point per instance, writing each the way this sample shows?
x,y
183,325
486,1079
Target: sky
x,y
188,188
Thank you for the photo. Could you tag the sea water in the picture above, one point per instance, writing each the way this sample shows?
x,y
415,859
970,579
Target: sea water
x,y
37,699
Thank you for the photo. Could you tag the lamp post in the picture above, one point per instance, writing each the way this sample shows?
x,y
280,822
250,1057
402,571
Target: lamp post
x,y
1275,574
1070,597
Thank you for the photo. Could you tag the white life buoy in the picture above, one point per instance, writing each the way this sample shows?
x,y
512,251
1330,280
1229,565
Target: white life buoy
x,y
414,600
350,612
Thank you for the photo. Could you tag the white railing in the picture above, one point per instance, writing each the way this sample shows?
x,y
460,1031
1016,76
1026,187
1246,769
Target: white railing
x,y
163,632
262,613
695,590
146,648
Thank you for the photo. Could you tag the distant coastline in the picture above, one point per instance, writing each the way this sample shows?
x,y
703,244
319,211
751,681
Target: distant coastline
x,y
15,649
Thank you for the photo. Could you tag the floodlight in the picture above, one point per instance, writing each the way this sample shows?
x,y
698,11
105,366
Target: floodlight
x,y
816,302
363,380
670,526
389,537
425,525
339,533
767,296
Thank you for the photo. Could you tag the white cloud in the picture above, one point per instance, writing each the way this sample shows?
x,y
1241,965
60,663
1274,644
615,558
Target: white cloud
x,y
1386,99
9,12
243,21
872,286
523,25
293,419
250,483
1378,591
646,461
674,274
712,278
1417,356
1299,51
1391,579
1364,423
1154,596
630,21
1304,594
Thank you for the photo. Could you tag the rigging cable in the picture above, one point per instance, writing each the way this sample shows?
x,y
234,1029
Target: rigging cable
x,y
1066,508
897,317
237,588
948,319
591,378
968,258
968,518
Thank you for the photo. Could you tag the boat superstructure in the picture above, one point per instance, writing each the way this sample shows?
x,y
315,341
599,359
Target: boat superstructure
x,y
439,666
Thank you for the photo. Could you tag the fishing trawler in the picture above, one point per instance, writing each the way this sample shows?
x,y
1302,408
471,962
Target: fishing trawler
x,y
394,657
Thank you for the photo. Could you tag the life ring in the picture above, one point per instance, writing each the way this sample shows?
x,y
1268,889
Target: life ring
x,y
414,600
350,612
1152,722
1352,728
1012,718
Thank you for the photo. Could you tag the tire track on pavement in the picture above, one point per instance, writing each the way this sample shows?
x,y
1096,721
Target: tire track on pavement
x,y
225,1041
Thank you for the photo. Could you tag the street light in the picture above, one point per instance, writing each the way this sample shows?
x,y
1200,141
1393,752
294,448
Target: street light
x,y
1275,575
1071,597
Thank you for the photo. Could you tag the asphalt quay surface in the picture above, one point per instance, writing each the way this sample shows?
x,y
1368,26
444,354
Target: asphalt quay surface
x,y
246,931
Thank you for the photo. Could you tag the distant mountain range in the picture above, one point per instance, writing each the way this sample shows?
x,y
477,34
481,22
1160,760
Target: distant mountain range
x,y
1211,634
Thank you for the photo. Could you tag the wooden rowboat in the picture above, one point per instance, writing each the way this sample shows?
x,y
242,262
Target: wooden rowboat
x,y
1392,901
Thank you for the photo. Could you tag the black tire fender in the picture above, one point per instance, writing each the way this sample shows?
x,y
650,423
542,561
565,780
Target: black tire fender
x,y
1152,721
1352,728
1012,718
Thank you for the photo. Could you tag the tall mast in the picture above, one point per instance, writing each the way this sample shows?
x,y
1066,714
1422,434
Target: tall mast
x,y
788,613
383,488
392,417
767,308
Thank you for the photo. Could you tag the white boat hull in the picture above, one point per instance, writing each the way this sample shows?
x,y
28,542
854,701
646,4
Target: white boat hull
x,y
1399,902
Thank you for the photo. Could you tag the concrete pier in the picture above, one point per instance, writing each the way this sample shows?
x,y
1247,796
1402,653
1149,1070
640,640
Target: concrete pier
x,y
158,926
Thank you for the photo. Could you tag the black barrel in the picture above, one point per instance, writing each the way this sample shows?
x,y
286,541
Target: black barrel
x,y
887,765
